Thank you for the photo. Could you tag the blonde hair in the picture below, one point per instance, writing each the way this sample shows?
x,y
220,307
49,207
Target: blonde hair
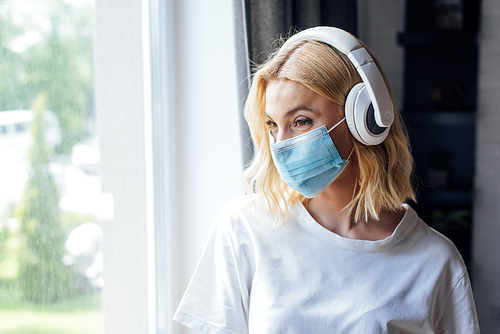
x,y
383,171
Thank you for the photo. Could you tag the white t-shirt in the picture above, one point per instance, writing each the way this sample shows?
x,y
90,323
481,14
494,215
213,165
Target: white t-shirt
x,y
302,278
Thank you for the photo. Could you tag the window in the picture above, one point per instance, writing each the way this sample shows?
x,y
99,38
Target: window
x,y
21,127
198,101
107,171
50,230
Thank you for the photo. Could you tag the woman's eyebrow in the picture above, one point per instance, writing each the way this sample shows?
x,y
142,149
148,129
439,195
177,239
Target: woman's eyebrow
x,y
294,110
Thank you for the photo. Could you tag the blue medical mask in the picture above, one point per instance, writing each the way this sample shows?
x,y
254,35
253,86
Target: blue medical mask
x,y
309,163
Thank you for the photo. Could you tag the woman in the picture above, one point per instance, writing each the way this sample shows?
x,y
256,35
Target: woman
x,y
323,243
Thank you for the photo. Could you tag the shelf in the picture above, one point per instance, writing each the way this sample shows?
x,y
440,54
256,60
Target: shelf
x,y
442,118
445,38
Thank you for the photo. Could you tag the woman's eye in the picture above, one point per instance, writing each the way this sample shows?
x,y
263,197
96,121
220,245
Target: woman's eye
x,y
271,124
303,122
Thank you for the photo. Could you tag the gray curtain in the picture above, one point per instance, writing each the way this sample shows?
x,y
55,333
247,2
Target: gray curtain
x,y
258,23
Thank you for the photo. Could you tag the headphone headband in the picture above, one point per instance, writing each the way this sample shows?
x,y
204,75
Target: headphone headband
x,y
361,59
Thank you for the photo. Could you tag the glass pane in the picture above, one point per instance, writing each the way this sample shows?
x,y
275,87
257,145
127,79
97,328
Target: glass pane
x,y
50,235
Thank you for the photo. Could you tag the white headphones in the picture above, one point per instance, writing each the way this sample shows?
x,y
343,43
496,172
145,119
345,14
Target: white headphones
x,y
368,108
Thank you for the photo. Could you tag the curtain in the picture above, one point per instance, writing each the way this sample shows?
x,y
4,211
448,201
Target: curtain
x,y
258,23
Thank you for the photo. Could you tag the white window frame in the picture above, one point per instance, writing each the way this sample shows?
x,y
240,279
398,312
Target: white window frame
x,y
161,148
170,149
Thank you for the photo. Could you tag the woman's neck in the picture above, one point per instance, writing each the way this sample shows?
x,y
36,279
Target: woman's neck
x,y
328,210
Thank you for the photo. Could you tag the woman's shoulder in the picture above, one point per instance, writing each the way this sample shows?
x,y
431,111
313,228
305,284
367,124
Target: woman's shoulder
x,y
439,247
241,205
246,210
439,241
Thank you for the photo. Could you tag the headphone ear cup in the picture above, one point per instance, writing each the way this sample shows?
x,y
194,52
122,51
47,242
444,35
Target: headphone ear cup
x,y
349,110
360,118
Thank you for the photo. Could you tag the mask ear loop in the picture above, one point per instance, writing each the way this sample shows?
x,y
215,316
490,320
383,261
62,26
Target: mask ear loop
x,y
272,140
333,127
349,156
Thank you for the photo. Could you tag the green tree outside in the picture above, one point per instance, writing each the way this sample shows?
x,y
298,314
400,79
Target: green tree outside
x,y
47,46
43,277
